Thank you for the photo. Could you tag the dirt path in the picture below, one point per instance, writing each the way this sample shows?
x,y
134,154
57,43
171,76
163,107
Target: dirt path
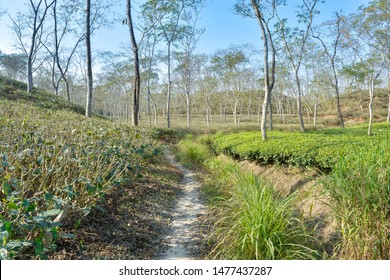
x,y
184,238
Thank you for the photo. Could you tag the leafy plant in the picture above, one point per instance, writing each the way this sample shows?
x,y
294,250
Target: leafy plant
x,y
55,166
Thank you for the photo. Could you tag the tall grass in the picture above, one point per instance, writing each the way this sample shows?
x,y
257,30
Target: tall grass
x,y
250,220
359,191
256,224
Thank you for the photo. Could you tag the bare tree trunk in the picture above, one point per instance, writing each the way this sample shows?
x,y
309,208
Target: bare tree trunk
x,y
249,107
270,124
88,105
169,88
207,117
388,109
235,119
188,101
258,111
30,82
137,78
269,76
221,108
371,92
282,113
339,114
332,58
299,102
37,26
239,118
149,107
154,110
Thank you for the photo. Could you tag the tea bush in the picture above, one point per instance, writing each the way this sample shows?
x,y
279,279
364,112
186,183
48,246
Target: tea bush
x,y
356,186
317,148
54,167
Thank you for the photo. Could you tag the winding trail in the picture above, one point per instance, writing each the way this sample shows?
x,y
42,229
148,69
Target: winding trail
x,y
183,237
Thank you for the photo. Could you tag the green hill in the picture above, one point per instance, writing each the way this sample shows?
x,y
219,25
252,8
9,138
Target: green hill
x,y
13,90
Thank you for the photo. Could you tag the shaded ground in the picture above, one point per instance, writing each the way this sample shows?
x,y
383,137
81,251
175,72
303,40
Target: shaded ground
x,y
133,224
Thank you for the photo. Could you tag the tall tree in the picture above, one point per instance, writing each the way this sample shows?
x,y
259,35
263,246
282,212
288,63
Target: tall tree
x,y
169,15
231,65
149,63
63,30
88,104
264,12
191,35
35,19
137,78
149,22
295,45
371,27
331,52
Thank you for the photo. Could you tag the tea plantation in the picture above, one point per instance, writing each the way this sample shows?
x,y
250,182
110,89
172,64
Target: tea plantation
x,y
56,166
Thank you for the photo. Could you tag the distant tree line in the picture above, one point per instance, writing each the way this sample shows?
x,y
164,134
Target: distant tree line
x,y
160,75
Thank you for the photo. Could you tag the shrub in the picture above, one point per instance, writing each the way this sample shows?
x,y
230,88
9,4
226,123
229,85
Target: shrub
x,y
57,163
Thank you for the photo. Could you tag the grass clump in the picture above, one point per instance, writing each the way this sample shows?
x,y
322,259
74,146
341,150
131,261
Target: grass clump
x,y
256,224
359,191
193,152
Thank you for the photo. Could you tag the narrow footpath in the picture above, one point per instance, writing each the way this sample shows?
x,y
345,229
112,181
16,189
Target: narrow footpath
x,y
184,238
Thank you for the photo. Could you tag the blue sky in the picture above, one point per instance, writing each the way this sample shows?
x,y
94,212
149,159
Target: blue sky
x,y
223,27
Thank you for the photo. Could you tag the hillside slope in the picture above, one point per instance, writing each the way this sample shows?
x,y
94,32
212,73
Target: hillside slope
x,y
354,107
77,188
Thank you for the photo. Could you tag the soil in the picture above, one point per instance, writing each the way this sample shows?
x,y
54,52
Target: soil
x,y
185,238
133,224
157,217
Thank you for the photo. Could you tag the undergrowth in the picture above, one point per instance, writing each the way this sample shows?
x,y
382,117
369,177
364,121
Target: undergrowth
x,y
359,191
316,148
55,166
250,220
356,180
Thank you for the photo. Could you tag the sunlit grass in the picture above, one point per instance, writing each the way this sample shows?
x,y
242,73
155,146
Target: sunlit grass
x,y
359,191
250,220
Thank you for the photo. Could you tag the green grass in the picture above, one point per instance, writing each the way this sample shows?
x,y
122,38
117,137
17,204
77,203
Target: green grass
x,y
359,191
250,220
356,181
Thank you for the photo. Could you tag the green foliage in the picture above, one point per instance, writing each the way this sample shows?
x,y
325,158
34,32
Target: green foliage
x,y
194,152
359,192
54,163
318,148
257,224
251,221
357,184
